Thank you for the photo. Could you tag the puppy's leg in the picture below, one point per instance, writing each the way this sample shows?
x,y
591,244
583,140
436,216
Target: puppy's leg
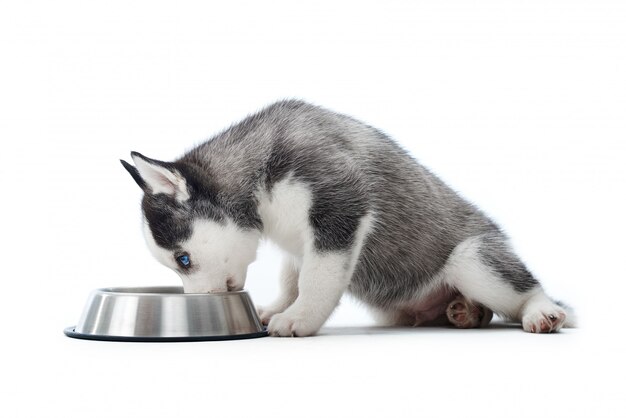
x,y
288,281
323,279
486,271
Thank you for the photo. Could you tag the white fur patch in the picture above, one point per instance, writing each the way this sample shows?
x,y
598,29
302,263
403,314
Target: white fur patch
x,y
285,215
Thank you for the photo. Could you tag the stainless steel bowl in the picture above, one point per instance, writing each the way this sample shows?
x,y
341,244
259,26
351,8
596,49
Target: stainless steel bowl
x,y
166,314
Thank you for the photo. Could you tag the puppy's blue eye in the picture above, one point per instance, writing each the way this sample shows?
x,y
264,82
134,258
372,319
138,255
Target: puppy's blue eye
x,y
183,260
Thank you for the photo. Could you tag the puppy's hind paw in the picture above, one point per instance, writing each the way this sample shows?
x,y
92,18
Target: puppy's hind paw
x,y
464,314
544,320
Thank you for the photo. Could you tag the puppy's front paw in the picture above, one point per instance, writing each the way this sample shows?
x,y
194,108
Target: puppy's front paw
x,y
290,325
265,314
548,319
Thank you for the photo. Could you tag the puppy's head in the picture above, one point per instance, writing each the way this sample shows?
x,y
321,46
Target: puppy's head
x,y
187,231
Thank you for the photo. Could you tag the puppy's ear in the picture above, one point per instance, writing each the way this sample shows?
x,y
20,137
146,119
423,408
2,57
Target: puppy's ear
x,y
135,174
156,177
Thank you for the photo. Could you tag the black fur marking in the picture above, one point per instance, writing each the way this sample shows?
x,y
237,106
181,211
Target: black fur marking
x,y
241,206
201,185
279,163
168,220
335,220
243,212
338,206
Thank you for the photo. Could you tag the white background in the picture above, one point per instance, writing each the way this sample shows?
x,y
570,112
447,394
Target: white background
x,y
520,106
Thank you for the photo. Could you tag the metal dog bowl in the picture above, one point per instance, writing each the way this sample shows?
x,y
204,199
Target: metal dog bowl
x,y
166,314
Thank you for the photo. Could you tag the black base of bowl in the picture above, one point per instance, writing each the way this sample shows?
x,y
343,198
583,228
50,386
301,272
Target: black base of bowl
x,y
70,332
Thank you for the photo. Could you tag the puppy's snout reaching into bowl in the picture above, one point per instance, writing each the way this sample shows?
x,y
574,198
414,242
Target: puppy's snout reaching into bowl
x,y
202,283
215,280
229,285
201,288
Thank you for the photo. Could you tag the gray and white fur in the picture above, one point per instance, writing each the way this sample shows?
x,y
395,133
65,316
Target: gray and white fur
x,y
351,210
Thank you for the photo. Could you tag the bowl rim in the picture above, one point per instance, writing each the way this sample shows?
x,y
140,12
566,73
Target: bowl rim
x,y
160,291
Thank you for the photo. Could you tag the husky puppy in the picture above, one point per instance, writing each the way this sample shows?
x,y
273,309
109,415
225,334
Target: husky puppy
x,y
351,210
